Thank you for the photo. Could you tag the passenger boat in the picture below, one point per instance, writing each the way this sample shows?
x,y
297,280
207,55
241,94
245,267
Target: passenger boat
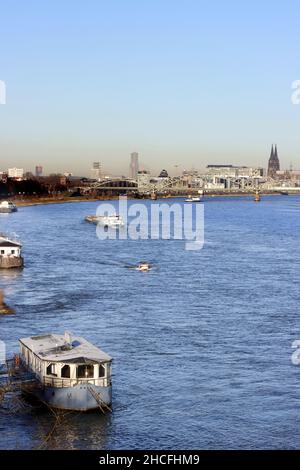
x,y
70,372
10,252
108,221
193,199
7,207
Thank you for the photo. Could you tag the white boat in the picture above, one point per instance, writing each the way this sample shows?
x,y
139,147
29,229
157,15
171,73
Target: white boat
x,y
108,221
7,207
193,199
10,252
143,267
70,373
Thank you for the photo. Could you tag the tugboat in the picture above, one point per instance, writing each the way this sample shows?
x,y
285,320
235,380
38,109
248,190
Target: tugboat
x,y
7,207
70,373
10,253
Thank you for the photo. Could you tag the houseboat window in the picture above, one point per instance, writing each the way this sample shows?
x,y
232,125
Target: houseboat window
x,y
2,252
12,252
51,369
85,371
101,370
65,371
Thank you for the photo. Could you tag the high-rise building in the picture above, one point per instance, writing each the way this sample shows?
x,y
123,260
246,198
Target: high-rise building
x,y
17,173
134,165
38,171
273,165
96,171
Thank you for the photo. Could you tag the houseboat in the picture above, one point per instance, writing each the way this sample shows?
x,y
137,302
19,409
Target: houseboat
x,y
7,206
10,253
70,372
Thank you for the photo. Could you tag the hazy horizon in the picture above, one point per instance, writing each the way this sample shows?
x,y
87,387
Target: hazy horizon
x,y
185,84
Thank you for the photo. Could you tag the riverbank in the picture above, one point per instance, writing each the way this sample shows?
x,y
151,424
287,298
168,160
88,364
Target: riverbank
x,y
30,201
58,200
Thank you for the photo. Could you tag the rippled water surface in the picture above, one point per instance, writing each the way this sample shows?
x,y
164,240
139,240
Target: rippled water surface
x,y
201,344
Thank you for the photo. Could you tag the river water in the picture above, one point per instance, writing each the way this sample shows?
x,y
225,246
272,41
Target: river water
x,y
201,344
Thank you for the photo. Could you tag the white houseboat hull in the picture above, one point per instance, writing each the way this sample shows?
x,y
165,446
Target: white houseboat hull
x,y
77,398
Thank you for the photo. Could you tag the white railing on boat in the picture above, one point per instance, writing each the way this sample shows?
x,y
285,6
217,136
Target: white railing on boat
x,y
58,382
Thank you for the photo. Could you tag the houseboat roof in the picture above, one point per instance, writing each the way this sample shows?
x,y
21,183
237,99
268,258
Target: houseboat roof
x,y
6,242
64,348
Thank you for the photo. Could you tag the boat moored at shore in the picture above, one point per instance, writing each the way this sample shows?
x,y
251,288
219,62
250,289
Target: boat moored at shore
x,y
70,372
6,207
257,197
193,199
10,253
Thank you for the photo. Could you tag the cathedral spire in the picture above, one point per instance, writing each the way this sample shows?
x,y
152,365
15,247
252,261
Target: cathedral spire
x,y
273,165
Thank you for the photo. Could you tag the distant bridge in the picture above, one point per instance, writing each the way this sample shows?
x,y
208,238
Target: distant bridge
x,y
117,185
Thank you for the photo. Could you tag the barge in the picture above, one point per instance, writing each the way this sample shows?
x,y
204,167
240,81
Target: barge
x,y
113,221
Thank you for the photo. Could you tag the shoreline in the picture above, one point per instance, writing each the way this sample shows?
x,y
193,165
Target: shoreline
x,y
47,201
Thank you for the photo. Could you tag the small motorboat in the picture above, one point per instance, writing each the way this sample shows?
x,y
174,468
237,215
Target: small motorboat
x,y
144,267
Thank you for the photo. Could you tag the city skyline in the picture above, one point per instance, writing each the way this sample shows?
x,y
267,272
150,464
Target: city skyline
x,y
80,87
97,171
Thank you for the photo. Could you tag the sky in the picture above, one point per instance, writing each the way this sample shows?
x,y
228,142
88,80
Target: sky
x,y
184,83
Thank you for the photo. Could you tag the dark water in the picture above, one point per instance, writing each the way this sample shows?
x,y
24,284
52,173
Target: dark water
x,y
201,344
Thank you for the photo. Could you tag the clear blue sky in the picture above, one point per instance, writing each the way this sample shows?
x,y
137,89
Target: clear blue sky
x,y
182,82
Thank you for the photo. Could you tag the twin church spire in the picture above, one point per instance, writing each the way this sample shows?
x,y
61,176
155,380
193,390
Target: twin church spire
x,y
274,164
